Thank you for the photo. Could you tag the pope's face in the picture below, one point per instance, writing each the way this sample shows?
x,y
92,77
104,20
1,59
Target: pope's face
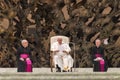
x,y
59,40
25,44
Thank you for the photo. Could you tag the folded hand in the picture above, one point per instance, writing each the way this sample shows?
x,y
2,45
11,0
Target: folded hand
x,y
56,51
65,52
28,59
98,59
21,59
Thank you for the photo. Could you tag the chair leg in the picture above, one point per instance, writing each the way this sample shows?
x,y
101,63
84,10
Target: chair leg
x,y
71,69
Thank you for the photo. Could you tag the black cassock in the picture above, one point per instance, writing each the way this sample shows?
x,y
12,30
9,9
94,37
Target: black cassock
x,y
21,65
100,66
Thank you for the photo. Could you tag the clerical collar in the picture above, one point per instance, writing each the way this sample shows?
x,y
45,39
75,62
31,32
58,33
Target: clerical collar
x,y
97,46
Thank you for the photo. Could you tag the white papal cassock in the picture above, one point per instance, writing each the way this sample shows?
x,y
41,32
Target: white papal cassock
x,y
63,60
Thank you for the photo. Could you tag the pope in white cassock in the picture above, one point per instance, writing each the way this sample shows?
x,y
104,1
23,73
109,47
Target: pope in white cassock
x,y
62,59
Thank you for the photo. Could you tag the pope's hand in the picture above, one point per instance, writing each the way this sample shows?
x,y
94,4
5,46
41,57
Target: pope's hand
x,y
56,51
65,52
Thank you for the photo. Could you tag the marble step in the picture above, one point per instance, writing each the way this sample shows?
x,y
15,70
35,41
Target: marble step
x,y
46,74
60,76
43,70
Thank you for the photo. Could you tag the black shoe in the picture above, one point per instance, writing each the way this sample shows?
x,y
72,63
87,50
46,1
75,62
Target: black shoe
x,y
58,69
70,70
64,71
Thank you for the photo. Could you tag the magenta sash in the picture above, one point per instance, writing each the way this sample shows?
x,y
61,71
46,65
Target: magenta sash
x,y
28,62
102,63
24,56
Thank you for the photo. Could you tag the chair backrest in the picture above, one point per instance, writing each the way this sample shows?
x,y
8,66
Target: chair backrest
x,y
54,39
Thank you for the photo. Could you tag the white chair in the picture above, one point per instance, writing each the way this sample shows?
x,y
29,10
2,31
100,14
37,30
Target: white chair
x,y
53,40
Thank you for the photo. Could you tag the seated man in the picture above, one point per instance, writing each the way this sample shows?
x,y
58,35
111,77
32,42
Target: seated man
x,y
98,58
62,59
24,58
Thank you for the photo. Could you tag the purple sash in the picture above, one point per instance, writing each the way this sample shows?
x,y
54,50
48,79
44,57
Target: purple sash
x,y
102,63
28,62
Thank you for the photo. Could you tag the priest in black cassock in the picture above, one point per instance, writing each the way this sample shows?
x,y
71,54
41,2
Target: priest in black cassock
x,y
24,57
98,58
